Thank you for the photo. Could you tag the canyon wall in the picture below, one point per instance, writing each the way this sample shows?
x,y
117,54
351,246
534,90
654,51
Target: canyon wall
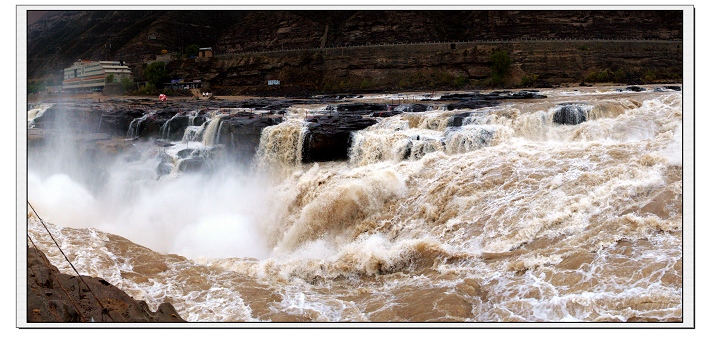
x,y
436,66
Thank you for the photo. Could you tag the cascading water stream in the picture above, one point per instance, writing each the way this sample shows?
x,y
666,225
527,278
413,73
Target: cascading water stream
x,y
134,127
281,146
211,133
35,113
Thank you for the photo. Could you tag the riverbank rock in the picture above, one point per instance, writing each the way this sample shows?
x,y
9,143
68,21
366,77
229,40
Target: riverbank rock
x,y
49,292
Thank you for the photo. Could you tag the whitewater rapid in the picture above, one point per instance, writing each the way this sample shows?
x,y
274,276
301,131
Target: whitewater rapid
x,y
509,217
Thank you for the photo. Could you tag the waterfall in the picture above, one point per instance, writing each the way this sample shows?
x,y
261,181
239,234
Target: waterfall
x,y
165,128
134,127
281,145
211,133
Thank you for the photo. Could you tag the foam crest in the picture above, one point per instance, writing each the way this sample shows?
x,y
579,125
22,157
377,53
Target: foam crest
x,y
374,147
338,203
472,137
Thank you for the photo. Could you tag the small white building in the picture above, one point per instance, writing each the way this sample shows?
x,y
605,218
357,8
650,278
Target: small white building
x,y
86,75
205,52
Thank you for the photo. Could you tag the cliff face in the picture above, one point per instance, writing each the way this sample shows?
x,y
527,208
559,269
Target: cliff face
x,y
434,66
137,36
269,30
260,31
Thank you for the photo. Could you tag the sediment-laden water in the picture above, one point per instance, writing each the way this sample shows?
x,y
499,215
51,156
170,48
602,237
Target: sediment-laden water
x,y
507,217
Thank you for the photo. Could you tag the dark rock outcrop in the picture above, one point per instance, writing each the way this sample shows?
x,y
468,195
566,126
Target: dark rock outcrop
x,y
49,292
240,134
635,89
152,125
168,124
412,108
480,100
328,137
78,117
117,122
570,114
361,107
174,128
388,113
471,104
457,120
668,88
494,95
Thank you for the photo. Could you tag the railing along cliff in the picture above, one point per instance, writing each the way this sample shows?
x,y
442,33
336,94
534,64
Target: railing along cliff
x,y
443,45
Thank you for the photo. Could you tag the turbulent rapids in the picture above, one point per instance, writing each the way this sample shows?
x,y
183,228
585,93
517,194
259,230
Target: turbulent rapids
x,y
506,213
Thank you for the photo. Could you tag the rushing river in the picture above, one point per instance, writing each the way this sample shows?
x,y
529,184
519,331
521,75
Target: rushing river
x,y
509,217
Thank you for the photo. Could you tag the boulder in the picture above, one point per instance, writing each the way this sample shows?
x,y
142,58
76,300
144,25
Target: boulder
x,y
457,120
635,89
163,168
191,164
569,114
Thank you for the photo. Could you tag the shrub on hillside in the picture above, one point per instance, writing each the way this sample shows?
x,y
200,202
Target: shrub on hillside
x,y
500,65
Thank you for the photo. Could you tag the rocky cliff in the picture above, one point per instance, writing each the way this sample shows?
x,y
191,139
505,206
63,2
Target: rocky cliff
x,y
442,66
57,40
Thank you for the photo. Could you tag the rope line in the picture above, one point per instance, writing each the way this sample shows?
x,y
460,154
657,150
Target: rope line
x,y
103,308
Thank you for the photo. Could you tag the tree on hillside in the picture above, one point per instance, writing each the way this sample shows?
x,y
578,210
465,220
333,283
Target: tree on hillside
x,y
500,64
192,50
127,83
155,73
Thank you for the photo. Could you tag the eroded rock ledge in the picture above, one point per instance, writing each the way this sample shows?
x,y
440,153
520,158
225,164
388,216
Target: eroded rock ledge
x,y
49,292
